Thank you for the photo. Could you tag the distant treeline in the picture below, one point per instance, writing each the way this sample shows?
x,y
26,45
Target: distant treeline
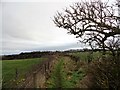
x,y
39,54
25,55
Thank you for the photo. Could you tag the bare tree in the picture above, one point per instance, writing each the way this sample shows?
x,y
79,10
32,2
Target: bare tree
x,y
96,23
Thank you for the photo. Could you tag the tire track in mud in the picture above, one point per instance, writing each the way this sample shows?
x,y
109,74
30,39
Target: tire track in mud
x,y
68,76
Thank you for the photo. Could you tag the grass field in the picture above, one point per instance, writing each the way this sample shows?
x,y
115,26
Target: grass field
x,y
22,65
84,56
66,71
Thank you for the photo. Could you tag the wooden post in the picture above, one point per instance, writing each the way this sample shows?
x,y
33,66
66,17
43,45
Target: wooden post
x,y
48,65
16,76
45,68
35,80
45,74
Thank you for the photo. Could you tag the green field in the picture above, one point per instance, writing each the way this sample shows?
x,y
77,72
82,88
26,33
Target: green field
x,y
22,65
65,72
84,56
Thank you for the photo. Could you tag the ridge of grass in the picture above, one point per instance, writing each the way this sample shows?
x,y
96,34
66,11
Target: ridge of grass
x,y
60,78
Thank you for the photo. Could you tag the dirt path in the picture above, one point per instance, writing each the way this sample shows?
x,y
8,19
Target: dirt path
x,y
68,76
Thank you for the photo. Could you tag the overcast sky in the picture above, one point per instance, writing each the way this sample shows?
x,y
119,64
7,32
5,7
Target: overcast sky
x,y
28,26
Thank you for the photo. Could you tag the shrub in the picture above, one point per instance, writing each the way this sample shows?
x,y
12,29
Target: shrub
x,y
106,73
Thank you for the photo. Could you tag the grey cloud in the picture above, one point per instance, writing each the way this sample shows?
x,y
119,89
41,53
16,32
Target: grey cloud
x,y
28,26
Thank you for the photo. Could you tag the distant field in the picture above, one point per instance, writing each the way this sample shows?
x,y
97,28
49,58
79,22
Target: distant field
x,y
84,56
22,65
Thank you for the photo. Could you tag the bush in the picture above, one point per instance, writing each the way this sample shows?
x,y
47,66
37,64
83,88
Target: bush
x,y
106,73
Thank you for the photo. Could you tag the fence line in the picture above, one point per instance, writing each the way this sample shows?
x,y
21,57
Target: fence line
x,y
36,78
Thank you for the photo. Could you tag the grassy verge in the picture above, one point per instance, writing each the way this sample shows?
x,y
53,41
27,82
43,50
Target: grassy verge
x,y
57,76
64,74
12,67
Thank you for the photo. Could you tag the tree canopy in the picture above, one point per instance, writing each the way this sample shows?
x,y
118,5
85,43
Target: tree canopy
x,y
95,22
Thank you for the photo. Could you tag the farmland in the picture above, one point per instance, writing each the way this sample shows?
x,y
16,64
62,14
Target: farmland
x,y
69,75
72,69
11,67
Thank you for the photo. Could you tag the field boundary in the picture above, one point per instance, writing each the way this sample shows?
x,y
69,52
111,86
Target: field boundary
x,y
36,78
